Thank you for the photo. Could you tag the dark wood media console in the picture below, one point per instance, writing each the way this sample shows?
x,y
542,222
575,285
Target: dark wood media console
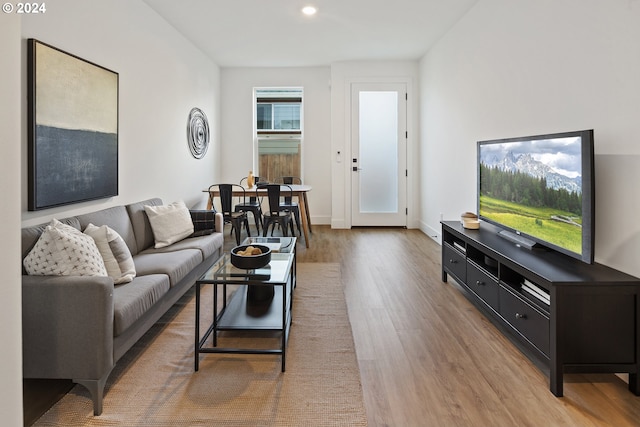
x,y
590,323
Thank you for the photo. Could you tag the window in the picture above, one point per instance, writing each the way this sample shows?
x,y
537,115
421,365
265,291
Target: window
x,y
278,110
278,132
278,116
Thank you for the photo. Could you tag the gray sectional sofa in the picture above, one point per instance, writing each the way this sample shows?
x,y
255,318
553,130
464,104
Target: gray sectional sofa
x,y
78,327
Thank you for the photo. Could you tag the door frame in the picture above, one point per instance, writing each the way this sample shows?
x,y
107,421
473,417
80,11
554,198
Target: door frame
x,y
411,155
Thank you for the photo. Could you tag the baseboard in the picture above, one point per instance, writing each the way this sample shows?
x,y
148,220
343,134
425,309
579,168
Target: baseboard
x,y
338,224
431,232
320,220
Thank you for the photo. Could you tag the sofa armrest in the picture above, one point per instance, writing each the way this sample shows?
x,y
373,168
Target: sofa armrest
x,y
206,222
67,326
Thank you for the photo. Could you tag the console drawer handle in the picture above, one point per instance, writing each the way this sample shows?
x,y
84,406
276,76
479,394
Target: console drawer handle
x,y
521,316
479,283
453,261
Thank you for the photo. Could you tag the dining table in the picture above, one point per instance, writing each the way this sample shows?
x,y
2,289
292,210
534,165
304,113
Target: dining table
x,y
297,190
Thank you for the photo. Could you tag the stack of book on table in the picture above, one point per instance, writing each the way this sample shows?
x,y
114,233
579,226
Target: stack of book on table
x,y
460,246
536,291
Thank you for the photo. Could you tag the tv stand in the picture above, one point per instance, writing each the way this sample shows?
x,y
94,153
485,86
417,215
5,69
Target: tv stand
x,y
572,316
517,239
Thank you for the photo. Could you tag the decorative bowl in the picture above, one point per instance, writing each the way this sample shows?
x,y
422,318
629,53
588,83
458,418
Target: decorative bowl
x,y
470,220
471,224
250,262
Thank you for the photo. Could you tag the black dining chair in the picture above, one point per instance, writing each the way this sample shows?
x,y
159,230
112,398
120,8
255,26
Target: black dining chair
x,y
275,215
236,219
287,204
253,204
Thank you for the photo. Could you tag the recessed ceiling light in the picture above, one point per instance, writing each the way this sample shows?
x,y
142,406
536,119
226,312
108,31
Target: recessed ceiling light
x,y
309,10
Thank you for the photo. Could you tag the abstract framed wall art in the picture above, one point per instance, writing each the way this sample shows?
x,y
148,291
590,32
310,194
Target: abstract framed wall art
x,y
73,128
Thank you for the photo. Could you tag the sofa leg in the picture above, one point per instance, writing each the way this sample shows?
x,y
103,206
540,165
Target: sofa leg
x,y
96,389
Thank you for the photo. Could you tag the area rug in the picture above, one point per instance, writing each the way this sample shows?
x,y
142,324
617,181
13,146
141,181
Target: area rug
x,y
154,384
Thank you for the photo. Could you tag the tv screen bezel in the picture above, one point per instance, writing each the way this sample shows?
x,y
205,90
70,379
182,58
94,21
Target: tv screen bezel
x,y
588,192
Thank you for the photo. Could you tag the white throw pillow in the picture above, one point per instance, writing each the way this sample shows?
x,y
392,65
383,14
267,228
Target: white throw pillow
x,y
63,250
170,223
115,253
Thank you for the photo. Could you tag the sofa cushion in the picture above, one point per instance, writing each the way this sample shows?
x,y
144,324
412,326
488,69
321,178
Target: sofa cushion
x,y
116,218
115,253
141,224
175,264
132,300
63,250
208,245
170,223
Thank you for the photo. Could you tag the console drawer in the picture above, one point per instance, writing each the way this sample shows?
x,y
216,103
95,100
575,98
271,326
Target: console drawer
x,y
454,262
531,323
483,284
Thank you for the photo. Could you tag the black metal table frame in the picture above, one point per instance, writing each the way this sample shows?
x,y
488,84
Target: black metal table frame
x,y
287,306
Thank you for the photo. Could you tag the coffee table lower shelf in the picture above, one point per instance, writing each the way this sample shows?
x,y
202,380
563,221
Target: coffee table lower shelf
x,y
240,315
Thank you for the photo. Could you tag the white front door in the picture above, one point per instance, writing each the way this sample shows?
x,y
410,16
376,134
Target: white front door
x,y
379,154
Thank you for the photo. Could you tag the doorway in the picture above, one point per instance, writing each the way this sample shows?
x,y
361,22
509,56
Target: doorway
x,y
379,154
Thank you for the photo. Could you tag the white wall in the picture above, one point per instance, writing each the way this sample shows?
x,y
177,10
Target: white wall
x,y
10,291
161,77
343,74
237,127
524,68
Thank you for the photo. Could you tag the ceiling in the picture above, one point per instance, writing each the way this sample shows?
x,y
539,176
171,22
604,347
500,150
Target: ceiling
x,y
275,33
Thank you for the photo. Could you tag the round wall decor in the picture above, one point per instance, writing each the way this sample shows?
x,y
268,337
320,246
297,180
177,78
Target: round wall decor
x,y
198,133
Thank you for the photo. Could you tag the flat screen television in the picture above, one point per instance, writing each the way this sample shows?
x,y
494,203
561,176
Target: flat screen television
x,y
539,190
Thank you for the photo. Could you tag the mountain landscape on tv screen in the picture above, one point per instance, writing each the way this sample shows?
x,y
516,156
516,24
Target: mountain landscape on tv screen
x,y
526,163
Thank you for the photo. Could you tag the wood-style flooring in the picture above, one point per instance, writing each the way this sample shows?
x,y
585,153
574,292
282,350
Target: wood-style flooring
x,y
428,357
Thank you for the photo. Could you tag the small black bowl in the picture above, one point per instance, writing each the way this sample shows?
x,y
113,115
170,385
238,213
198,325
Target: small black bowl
x,y
250,262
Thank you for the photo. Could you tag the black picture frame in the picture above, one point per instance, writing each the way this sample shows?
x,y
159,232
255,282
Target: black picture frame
x,y
72,128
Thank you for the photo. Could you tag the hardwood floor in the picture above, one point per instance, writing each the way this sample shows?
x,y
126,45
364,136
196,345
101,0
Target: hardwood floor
x,y
428,357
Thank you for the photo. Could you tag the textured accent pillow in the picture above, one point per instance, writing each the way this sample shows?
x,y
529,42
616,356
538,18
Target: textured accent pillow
x,y
63,250
170,223
204,222
115,253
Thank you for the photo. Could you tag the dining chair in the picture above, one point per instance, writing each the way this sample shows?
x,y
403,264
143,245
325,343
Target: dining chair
x,y
253,204
236,219
275,215
287,204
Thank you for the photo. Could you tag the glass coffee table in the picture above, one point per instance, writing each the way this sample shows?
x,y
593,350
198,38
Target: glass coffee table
x,y
262,299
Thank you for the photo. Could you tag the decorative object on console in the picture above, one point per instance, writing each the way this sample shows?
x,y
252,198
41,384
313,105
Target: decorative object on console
x,y
470,220
72,128
198,133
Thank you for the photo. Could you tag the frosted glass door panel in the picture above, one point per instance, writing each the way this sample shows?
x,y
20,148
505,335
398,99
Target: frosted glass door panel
x,y
378,129
378,163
